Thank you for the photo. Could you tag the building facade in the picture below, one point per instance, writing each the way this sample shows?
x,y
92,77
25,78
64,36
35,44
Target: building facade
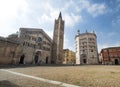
x,y
111,55
86,48
36,46
58,38
9,51
68,57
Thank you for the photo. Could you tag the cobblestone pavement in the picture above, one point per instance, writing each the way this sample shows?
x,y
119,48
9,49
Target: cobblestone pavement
x,y
10,80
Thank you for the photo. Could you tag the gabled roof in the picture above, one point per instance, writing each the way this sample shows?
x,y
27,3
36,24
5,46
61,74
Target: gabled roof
x,y
39,30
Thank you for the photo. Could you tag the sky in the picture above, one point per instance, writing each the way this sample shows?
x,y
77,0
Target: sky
x,y
101,16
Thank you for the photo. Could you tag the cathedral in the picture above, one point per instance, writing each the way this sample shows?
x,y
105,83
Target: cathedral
x,y
33,46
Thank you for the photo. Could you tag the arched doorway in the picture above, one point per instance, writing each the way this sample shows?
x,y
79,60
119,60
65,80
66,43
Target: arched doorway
x,y
47,60
36,58
116,62
84,61
22,59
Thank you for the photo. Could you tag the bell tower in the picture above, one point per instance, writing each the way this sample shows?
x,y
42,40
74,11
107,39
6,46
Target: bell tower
x,y
58,40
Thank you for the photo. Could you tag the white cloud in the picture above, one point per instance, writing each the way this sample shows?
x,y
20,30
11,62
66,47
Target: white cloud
x,y
50,33
51,13
96,9
8,13
24,13
84,4
72,19
92,8
45,19
41,14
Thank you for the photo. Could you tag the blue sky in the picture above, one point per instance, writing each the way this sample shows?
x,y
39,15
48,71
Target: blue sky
x,y
102,16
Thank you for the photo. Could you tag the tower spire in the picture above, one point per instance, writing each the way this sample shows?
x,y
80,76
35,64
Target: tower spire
x,y
60,15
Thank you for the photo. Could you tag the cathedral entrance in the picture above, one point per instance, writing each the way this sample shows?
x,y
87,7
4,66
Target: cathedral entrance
x,y
116,62
22,59
36,58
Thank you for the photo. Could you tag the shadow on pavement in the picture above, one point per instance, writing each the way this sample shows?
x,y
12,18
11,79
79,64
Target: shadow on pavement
x,y
6,83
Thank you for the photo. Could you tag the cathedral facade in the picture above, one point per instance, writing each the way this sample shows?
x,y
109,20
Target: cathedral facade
x,y
29,46
36,46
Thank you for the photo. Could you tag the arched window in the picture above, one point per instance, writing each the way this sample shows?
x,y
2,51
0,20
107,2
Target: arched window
x,y
39,39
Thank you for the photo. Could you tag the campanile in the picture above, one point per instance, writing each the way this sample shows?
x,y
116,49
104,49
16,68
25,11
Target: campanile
x,y
58,40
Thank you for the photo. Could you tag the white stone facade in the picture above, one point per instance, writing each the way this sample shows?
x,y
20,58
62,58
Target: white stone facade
x,y
86,48
35,42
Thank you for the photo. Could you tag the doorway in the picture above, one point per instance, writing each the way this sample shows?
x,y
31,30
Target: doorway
x,y
22,59
46,60
116,62
36,58
84,61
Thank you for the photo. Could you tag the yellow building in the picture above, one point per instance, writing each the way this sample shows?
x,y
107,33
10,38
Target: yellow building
x,y
69,57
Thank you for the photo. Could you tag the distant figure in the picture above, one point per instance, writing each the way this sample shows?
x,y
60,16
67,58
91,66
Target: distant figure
x,y
22,59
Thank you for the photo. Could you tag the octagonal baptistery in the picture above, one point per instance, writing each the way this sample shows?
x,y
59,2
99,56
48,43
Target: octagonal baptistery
x,y
86,48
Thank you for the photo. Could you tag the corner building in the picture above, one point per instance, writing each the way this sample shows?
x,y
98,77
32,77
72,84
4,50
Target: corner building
x,y
111,55
58,38
86,48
